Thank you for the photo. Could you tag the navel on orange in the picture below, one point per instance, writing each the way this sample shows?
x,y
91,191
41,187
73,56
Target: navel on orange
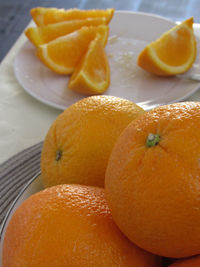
x,y
173,53
92,74
69,225
44,34
63,54
44,16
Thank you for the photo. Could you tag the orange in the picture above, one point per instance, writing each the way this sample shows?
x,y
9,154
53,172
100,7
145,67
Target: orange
x,y
79,142
44,34
92,74
63,54
173,53
44,16
69,225
190,262
152,180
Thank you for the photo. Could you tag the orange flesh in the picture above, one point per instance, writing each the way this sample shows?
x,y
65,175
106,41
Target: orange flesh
x,y
180,49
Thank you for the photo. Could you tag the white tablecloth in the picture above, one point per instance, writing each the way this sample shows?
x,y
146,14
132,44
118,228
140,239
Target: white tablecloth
x,y
25,121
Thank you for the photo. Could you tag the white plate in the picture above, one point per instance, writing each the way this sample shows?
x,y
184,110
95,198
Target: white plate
x,y
32,187
129,34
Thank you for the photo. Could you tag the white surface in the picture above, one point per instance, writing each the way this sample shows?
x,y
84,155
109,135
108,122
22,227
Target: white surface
x,y
24,121
127,79
31,188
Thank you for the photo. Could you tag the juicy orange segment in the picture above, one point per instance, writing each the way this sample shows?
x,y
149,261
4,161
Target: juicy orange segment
x,y
173,53
92,75
63,54
44,34
44,16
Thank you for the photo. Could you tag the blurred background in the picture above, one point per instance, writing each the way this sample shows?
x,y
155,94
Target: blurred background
x,y
14,14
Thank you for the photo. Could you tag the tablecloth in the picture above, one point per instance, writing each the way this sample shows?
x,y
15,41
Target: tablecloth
x,y
24,122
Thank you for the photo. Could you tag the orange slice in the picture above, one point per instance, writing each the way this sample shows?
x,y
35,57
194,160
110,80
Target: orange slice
x,y
44,16
45,34
63,54
173,53
92,75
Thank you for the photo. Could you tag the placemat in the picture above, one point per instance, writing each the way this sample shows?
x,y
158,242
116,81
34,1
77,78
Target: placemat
x,y
15,173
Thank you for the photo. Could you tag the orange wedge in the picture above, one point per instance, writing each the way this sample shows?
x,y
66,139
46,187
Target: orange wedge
x,y
173,53
44,34
92,75
44,16
63,54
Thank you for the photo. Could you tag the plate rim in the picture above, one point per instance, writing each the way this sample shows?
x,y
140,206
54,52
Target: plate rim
x,y
63,107
3,225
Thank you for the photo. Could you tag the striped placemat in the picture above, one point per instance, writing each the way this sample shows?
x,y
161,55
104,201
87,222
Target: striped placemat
x,y
15,173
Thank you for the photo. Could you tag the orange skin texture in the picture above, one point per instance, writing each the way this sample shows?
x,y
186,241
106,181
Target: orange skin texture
x,y
45,16
191,262
85,133
69,225
66,51
44,34
153,192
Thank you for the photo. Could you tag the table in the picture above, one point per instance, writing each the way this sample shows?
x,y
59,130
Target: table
x,y
19,129
24,121
14,15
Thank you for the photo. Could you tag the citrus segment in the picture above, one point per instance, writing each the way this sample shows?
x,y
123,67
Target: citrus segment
x,y
92,74
63,54
45,34
79,142
152,180
173,53
44,16
69,225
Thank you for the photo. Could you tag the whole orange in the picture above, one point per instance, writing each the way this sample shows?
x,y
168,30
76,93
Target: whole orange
x,y
69,225
152,180
78,144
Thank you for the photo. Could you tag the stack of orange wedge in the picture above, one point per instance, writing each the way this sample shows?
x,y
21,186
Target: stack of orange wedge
x,y
72,42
